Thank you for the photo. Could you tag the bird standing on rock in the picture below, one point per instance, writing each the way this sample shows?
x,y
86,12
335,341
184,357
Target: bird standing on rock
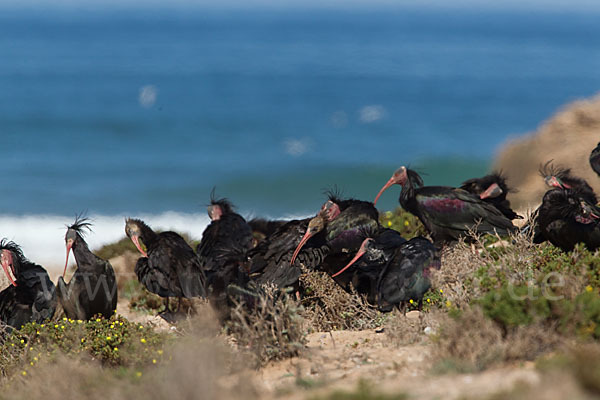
x,y
93,288
31,295
170,268
447,213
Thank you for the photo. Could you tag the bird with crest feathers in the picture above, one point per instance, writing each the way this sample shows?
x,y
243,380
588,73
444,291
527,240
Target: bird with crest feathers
x,y
447,213
492,189
169,267
566,218
31,295
224,242
92,289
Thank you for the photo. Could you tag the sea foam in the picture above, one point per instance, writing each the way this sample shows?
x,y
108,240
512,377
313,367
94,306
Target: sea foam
x,y
42,237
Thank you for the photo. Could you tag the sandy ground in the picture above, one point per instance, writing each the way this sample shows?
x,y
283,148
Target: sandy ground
x,y
339,360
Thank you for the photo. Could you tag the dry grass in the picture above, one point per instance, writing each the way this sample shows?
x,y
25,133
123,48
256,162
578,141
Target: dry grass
x,y
199,365
403,330
272,328
329,307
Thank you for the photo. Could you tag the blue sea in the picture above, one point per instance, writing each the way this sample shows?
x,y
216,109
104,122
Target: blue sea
x,y
142,112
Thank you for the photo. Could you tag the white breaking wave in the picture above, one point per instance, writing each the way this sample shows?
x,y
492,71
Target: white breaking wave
x,y
42,237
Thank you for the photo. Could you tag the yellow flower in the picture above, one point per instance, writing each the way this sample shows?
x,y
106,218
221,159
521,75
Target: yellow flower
x,y
116,349
159,352
143,340
406,223
35,358
589,289
23,373
154,361
138,374
411,301
429,301
389,223
141,327
79,321
82,340
448,303
31,363
121,323
112,326
97,319
62,327
42,325
108,338
441,291
38,332
22,341
64,318
56,325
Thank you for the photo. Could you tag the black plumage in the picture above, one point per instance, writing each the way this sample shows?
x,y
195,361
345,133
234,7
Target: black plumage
x,y
492,189
566,218
170,268
391,271
31,296
92,289
595,159
263,228
221,251
447,213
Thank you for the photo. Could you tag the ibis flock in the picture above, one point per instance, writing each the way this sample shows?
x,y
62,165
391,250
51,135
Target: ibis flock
x,y
236,258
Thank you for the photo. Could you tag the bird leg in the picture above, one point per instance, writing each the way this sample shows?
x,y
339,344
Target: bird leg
x,y
178,306
167,305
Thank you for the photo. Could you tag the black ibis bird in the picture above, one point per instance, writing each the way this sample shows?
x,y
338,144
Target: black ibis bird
x,y
447,213
262,228
223,241
169,268
566,218
560,177
595,159
272,258
395,271
493,189
343,230
93,288
362,271
31,295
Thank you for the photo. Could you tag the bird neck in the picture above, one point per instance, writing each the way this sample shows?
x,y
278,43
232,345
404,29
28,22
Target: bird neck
x,y
83,254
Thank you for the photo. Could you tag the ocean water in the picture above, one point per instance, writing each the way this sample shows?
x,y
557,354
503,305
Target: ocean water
x,y
142,113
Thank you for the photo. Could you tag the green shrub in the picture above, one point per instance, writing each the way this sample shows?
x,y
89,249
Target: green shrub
x,y
113,342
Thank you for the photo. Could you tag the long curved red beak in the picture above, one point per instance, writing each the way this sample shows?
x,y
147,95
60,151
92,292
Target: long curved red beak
x,y
383,189
493,191
358,255
6,261
136,241
69,245
305,238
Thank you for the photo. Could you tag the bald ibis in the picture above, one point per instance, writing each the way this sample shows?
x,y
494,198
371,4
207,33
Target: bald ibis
x,y
93,288
362,272
566,218
492,189
447,213
394,270
170,268
273,258
224,240
595,159
31,296
262,228
560,177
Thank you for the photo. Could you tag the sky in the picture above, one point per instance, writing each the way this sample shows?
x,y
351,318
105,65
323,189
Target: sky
x,y
550,5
